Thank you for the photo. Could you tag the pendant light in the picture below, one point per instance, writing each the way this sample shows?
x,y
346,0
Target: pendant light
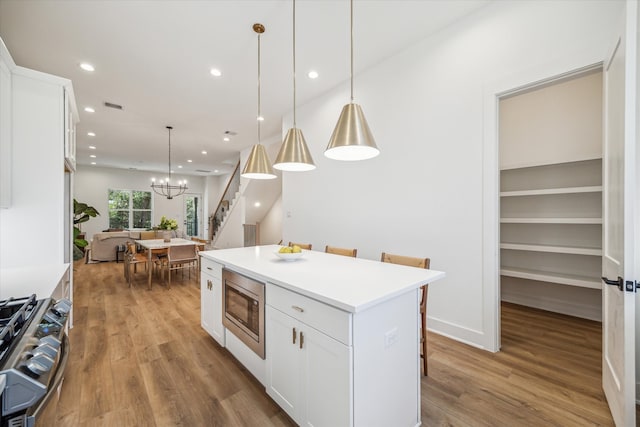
x,y
294,154
167,189
258,165
351,138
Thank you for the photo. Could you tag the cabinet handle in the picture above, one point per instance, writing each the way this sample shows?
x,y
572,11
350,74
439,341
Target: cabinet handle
x,y
293,335
301,339
209,268
300,309
209,284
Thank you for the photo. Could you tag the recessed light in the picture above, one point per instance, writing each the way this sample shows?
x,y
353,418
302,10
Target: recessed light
x,y
313,74
256,204
89,110
91,134
93,163
216,171
226,139
179,166
93,156
204,152
215,72
87,67
189,161
260,118
92,147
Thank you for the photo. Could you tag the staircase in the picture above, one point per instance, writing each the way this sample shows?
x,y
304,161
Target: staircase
x,y
227,202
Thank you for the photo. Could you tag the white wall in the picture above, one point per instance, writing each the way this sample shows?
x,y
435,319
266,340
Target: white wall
x,y
423,196
92,186
271,224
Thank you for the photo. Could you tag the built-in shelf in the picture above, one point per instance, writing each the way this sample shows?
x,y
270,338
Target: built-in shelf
x,y
551,248
564,279
547,191
551,220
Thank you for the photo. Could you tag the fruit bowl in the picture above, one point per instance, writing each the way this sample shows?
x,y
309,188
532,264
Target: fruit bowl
x,y
289,256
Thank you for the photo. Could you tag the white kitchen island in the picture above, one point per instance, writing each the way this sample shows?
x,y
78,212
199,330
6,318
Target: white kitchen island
x,y
341,334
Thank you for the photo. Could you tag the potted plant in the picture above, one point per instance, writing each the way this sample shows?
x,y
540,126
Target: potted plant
x,y
167,224
81,213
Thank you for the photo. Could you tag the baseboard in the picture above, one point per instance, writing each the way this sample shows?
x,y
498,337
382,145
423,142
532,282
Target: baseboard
x,y
459,333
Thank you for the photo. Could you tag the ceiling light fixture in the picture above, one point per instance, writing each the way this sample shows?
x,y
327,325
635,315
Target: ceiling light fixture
x,y
204,152
92,147
91,134
226,139
89,110
215,72
258,165
93,156
165,188
313,74
294,154
87,67
351,139
93,163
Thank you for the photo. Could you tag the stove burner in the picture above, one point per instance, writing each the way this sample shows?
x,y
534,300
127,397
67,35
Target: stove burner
x,y
15,313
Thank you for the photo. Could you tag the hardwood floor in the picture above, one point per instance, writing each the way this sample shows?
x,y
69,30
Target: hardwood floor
x,y
140,358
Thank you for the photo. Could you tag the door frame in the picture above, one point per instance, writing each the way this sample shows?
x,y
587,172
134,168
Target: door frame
x,y
201,212
540,75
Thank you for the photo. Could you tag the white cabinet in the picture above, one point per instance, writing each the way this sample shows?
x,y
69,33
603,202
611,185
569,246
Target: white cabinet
x,y
69,131
211,299
5,128
309,373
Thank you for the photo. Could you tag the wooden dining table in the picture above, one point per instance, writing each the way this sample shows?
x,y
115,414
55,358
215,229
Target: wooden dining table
x,y
155,245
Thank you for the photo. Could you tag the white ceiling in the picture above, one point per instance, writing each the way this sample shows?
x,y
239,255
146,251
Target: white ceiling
x,y
154,57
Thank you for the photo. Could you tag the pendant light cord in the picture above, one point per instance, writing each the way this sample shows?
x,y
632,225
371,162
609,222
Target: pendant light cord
x,y
294,64
169,128
259,118
352,51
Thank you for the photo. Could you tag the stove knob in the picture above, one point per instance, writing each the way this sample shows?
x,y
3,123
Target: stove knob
x,y
40,364
52,317
45,349
63,306
51,341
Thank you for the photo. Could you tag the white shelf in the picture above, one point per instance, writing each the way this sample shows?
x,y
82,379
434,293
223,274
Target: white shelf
x,y
564,279
547,191
551,220
553,249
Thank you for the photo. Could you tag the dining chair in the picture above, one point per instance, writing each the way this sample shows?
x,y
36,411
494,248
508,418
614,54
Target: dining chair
x,y
340,251
419,263
302,245
133,258
180,257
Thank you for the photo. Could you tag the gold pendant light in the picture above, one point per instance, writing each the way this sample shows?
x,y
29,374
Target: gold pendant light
x,y
351,139
258,165
294,154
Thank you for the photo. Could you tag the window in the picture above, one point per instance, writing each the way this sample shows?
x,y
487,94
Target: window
x,y
129,209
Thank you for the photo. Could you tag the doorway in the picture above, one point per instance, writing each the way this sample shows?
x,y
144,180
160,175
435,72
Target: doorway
x,y
192,211
550,203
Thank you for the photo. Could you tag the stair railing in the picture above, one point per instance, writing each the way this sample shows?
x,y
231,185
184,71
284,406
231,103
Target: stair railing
x,y
233,185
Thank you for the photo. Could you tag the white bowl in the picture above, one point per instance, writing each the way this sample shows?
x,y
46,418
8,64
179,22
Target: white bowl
x,y
289,256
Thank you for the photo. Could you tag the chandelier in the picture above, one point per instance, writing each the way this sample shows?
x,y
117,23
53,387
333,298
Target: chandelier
x,y
164,186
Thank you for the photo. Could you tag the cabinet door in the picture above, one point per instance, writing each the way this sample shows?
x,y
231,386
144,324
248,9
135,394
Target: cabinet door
x,y
327,381
215,321
69,134
5,135
207,306
283,361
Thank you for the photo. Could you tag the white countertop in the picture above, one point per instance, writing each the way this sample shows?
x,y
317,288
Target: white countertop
x,y
41,280
350,284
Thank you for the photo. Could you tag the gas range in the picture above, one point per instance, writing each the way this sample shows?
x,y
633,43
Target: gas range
x,y
33,353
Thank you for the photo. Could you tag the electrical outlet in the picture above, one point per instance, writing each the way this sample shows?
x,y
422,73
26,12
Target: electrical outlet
x,y
390,337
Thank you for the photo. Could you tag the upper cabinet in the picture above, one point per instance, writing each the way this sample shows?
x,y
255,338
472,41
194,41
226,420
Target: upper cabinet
x,y
69,129
37,121
5,126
